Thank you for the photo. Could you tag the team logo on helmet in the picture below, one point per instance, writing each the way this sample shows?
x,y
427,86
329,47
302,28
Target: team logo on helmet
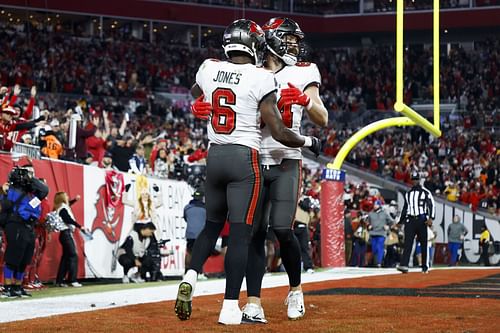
x,y
273,24
256,29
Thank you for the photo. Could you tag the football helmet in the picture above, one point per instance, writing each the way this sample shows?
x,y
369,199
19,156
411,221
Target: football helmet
x,y
276,31
244,36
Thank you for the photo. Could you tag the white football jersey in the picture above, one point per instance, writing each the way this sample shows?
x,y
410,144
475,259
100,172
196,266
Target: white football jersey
x,y
302,75
234,91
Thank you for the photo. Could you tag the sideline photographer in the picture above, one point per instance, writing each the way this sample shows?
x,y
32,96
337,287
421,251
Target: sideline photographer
x,y
21,209
134,254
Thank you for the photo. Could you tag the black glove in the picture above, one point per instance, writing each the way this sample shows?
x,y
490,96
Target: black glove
x,y
316,146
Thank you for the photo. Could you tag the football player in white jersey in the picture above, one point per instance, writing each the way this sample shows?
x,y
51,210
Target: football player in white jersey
x,y
237,94
298,90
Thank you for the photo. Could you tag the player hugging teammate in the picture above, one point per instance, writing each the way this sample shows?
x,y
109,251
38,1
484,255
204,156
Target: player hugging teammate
x,y
234,96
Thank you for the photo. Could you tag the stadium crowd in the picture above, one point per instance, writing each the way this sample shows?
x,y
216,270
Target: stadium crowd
x,y
122,68
118,78
462,165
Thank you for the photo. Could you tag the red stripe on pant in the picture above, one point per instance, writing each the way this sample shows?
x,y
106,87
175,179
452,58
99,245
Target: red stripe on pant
x,y
299,191
256,188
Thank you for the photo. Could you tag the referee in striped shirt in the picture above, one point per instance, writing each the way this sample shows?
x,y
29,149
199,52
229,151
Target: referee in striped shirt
x,y
418,212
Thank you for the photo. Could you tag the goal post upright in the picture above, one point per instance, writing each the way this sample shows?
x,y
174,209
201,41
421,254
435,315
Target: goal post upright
x,y
333,177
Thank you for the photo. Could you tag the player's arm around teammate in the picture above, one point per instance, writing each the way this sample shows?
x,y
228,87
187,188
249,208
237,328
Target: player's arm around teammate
x,y
298,90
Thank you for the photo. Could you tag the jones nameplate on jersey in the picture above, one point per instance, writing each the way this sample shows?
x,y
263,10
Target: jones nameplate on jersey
x,y
227,77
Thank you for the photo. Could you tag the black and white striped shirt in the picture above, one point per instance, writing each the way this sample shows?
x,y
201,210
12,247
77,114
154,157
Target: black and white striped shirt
x,y
418,202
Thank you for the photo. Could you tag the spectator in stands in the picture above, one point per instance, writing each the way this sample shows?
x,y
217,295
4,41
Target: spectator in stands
x,y
107,161
456,235
50,145
82,133
122,151
59,131
97,143
161,164
9,124
137,162
451,191
159,144
27,139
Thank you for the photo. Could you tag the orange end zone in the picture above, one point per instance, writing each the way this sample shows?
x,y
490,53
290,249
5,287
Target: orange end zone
x,y
330,313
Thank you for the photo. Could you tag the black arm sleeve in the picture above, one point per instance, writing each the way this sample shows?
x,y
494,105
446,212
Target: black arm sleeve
x,y
72,201
24,126
63,213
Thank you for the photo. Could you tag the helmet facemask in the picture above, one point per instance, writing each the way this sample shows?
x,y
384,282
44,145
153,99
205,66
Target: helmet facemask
x,y
284,39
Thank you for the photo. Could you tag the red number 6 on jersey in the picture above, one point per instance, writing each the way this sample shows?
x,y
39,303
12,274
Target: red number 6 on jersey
x,y
223,116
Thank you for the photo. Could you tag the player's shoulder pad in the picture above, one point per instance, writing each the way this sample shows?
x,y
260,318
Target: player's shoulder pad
x,y
264,70
307,66
303,64
208,62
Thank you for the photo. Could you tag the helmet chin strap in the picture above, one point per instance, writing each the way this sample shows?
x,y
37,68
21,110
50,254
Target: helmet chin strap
x,y
288,59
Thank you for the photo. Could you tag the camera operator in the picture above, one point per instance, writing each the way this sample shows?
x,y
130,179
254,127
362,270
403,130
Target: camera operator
x,y
21,209
301,231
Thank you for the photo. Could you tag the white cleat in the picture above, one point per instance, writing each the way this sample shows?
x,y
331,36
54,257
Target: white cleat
x,y
295,302
230,316
253,314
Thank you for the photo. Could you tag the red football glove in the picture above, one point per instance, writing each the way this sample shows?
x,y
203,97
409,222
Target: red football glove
x,y
293,95
200,109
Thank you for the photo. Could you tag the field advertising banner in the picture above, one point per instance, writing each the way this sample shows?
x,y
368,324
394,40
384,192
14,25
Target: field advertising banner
x,y
106,205
111,198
